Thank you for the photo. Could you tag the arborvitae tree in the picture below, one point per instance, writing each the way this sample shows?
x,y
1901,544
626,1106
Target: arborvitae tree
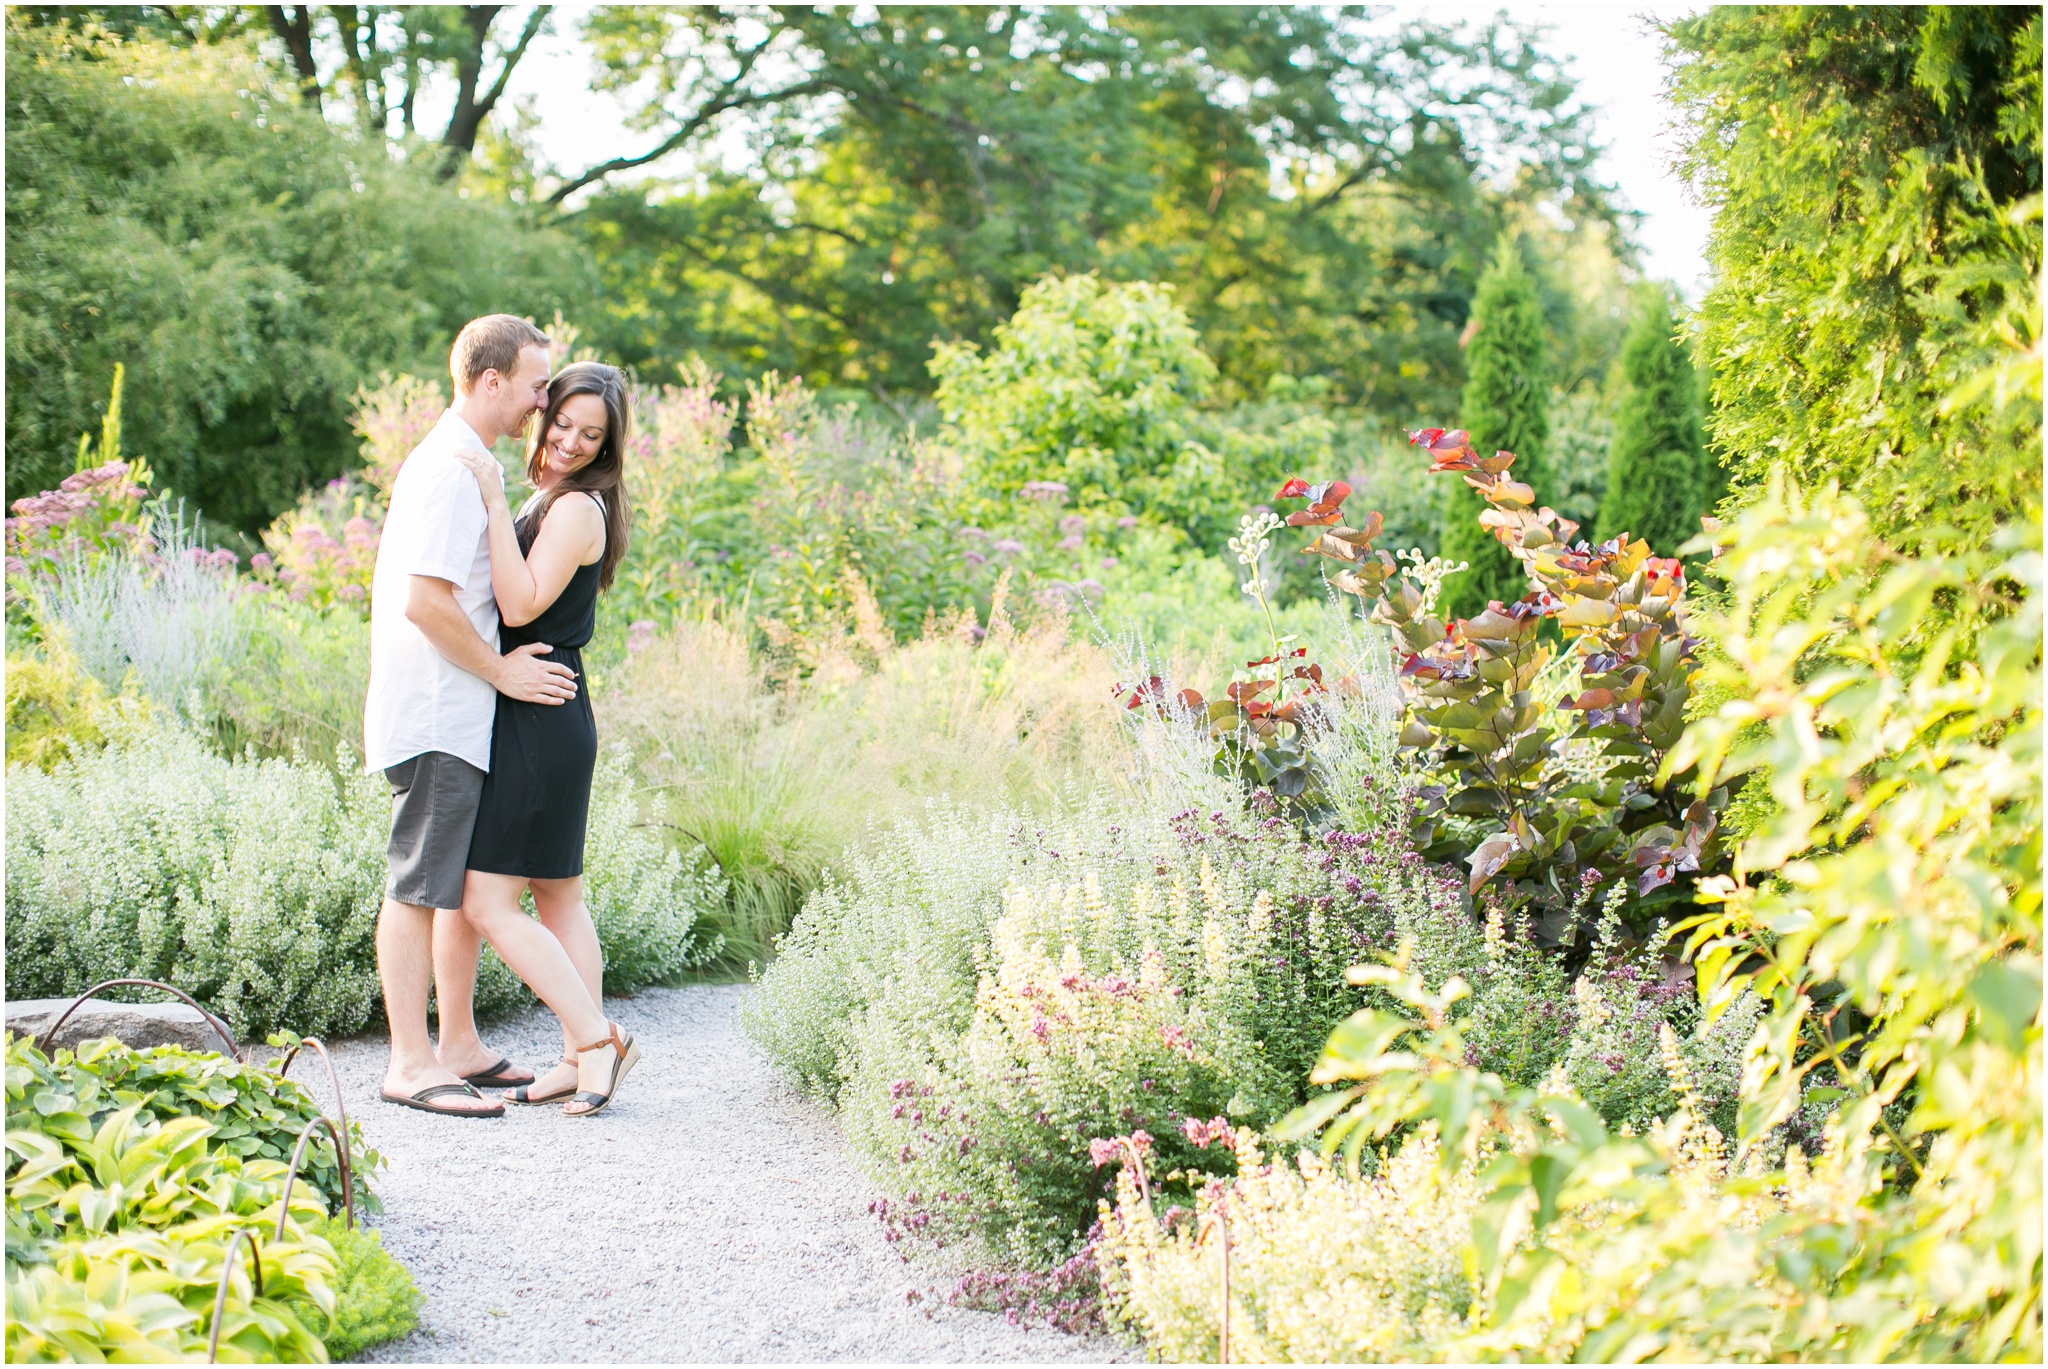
x,y
1658,482
1506,407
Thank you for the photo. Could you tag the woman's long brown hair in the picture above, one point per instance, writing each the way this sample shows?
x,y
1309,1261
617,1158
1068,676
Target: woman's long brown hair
x,y
603,475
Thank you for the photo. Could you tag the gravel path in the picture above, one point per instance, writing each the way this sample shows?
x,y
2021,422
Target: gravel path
x,y
709,1215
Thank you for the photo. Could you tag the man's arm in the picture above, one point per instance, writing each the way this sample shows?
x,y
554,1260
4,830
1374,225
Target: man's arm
x,y
519,674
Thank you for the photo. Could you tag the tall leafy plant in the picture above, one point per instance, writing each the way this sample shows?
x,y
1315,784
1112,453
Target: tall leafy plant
x,y
1550,764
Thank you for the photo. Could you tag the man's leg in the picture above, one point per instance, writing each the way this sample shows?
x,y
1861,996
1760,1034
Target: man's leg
x,y
430,799
405,934
460,1048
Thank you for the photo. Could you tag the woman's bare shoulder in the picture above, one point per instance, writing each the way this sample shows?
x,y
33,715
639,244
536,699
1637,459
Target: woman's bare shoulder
x,y
577,508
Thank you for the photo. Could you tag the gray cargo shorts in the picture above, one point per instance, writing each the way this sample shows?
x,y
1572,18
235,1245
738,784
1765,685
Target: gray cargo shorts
x,y
434,798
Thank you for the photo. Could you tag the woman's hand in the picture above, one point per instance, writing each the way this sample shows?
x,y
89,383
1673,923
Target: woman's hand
x,y
490,476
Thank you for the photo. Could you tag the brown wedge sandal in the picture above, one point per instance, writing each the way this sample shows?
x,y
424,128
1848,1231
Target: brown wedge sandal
x,y
524,1093
628,1056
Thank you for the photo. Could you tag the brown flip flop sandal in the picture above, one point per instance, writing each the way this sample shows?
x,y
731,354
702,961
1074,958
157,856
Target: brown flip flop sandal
x,y
423,1101
494,1077
525,1094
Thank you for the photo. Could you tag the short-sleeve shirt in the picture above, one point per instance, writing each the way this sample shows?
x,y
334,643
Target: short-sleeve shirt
x,y
419,700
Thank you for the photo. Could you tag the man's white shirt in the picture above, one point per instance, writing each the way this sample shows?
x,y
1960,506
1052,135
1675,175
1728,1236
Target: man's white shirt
x,y
419,700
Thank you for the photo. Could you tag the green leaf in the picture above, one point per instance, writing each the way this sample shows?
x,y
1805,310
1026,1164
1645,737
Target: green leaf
x,y
2007,996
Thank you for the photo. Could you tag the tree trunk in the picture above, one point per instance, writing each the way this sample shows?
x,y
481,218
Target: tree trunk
x,y
294,24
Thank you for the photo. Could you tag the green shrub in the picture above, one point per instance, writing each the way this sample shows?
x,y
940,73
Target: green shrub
x,y
1659,477
1875,177
375,1298
254,884
180,210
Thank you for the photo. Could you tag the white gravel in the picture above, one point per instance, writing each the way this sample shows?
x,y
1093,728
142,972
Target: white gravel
x,y
709,1215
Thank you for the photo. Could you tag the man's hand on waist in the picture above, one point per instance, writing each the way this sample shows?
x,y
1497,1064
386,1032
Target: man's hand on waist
x,y
522,675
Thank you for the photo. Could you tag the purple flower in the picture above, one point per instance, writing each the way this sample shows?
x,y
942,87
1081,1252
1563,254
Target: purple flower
x,y
1073,523
1052,491
261,562
1109,563
1072,542
1092,588
1009,546
1127,522
974,558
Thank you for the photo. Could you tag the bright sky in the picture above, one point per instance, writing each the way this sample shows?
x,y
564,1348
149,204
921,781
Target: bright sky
x,y
1614,57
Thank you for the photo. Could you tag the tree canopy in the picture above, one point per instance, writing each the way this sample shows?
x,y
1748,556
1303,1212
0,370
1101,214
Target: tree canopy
x,y
1317,187
174,209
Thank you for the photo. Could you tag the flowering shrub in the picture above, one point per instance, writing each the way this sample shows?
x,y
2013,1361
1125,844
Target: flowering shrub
x,y
96,509
255,884
323,551
1331,1264
681,435
1892,960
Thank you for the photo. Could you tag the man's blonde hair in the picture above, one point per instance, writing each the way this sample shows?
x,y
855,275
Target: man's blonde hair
x,y
490,343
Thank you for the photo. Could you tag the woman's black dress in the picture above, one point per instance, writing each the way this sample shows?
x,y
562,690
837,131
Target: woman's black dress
x,y
536,799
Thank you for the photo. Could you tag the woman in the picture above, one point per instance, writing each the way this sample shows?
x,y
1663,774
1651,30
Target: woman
x,y
546,569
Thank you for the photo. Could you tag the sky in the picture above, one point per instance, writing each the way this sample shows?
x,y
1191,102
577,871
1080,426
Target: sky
x,y
1612,54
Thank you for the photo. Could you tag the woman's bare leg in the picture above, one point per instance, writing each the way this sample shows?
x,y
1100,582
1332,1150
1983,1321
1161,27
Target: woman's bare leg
x,y
491,903
563,912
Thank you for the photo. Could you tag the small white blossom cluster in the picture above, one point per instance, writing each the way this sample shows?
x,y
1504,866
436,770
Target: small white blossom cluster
x,y
1252,542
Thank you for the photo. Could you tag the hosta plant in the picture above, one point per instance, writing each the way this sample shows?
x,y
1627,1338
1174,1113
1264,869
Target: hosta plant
x,y
1546,720
66,1099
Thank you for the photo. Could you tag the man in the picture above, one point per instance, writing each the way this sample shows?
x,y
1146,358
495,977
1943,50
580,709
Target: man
x,y
434,667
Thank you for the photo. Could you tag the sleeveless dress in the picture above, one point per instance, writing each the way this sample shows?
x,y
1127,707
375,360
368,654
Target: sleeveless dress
x,y
536,800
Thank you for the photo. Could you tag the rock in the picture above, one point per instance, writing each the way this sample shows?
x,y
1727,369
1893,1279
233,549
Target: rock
x,y
133,1024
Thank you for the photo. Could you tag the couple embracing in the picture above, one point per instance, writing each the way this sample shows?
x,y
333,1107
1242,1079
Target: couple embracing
x,y
478,717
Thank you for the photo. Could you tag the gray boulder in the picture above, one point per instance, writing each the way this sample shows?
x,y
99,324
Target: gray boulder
x,y
132,1024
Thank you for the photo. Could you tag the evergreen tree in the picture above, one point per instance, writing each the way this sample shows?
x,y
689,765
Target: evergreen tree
x,y
1506,407
1658,481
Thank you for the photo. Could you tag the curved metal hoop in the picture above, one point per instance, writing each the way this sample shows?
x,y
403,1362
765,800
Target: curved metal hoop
x,y
340,1103
220,1292
220,1029
348,1188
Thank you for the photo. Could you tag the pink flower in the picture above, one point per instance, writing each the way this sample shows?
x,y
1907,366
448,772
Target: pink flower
x,y
1202,1133
261,563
